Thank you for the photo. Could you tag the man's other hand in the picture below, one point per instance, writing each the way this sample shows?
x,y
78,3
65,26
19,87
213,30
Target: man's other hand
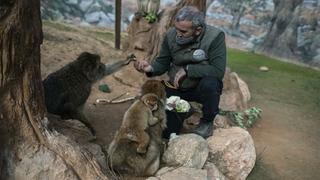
x,y
179,76
142,66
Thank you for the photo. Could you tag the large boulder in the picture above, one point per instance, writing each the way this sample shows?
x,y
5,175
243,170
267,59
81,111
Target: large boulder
x,y
235,93
232,151
213,172
179,173
188,150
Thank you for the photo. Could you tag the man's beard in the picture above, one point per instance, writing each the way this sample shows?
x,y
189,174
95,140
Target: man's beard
x,y
185,40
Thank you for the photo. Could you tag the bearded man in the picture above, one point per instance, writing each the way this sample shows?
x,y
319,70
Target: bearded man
x,y
194,56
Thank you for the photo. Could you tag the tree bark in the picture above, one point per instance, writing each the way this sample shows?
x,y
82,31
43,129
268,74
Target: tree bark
x,y
235,25
23,130
282,34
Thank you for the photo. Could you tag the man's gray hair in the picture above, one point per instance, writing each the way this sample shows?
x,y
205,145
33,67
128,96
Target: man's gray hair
x,y
190,13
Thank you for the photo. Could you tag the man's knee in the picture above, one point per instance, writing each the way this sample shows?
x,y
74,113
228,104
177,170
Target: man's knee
x,y
210,84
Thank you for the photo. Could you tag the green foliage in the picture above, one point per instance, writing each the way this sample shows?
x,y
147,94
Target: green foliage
x,y
104,88
151,17
243,119
103,35
59,26
285,82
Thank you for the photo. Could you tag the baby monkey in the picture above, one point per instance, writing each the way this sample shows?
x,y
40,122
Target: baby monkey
x,y
137,119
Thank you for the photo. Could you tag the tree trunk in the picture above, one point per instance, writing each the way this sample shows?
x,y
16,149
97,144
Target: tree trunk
x,y
235,25
281,38
24,137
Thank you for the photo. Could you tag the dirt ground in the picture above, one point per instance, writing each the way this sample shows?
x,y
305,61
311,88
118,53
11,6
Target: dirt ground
x,y
286,138
286,141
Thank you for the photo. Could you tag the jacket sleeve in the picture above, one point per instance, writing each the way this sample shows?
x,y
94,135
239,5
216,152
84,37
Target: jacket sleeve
x,y
162,63
217,61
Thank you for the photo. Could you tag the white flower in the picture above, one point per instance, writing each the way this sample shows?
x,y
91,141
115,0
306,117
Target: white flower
x,y
171,102
180,105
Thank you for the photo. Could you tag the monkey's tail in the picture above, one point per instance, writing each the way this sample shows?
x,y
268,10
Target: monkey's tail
x,y
111,149
110,152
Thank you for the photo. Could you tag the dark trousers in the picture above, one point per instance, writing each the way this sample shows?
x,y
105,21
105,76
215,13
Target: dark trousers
x,y
207,93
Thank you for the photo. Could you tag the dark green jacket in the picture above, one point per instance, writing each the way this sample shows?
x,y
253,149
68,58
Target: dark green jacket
x,y
172,57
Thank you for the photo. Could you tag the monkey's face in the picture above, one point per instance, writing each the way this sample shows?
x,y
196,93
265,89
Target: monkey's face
x,y
154,86
153,105
91,66
151,101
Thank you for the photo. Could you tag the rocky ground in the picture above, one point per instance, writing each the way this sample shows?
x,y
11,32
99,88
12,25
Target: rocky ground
x,y
282,127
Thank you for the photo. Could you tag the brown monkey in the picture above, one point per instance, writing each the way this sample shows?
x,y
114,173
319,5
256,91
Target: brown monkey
x,y
122,153
124,159
67,89
156,87
137,119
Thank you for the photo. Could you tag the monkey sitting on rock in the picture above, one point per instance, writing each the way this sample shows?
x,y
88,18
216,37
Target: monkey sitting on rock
x,y
123,155
137,119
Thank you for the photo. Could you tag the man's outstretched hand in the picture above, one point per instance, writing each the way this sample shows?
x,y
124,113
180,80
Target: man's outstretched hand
x,y
142,66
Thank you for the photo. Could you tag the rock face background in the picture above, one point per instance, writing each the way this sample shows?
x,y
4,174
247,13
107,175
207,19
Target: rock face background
x,y
252,32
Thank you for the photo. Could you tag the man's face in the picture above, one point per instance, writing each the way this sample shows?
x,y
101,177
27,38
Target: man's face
x,y
185,29
185,32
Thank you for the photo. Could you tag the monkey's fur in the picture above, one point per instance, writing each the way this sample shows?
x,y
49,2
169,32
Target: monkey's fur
x,y
122,154
137,119
156,87
124,158
67,89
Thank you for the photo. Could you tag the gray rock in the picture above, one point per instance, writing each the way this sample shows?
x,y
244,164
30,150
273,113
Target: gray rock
x,y
188,150
71,2
232,151
111,16
95,7
106,21
235,94
95,17
85,4
213,172
184,173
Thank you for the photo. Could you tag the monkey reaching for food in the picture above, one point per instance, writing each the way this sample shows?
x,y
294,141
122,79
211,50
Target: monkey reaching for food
x,y
137,119
67,89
